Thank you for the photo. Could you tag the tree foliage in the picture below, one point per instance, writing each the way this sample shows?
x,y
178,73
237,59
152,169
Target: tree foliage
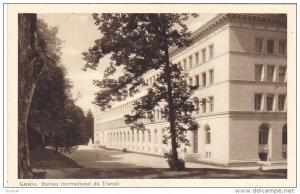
x,y
89,120
137,44
52,89
53,113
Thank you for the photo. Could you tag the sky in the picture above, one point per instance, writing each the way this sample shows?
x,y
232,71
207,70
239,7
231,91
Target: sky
x,y
79,32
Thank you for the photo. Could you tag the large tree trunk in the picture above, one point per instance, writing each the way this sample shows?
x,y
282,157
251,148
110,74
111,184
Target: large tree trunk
x,y
172,118
29,67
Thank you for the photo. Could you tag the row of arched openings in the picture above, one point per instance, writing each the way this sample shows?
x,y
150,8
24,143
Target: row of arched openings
x,y
130,136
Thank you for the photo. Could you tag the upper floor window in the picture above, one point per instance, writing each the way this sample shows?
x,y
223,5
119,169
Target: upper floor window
x,y
270,46
203,105
191,81
197,58
211,51
203,55
197,81
197,104
191,61
282,47
211,103
161,113
281,73
270,102
203,79
184,64
258,45
281,102
179,64
258,101
258,72
211,76
270,73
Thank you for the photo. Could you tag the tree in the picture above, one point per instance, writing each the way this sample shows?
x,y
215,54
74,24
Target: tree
x,y
138,43
89,123
38,49
74,128
52,89
30,66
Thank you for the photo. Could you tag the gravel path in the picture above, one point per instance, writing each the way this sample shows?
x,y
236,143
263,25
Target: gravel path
x,y
103,158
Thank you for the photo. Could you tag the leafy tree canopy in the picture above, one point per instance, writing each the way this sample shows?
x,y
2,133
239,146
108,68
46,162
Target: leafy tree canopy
x,y
139,43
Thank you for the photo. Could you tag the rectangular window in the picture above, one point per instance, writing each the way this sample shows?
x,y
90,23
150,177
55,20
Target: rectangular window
x,y
258,101
211,104
191,81
208,137
191,61
270,73
282,47
203,55
211,76
203,79
281,102
258,72
281,74
203,105
270,46
197,107
184,64
284,137
263,137
284,155
270,102
258,45
195,142
211,51
197,81
197,58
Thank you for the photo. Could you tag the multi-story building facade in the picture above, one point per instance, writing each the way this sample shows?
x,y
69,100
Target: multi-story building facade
x,y
239,63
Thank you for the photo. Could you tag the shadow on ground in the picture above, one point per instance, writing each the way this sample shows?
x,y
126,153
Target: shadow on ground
x,y
104,166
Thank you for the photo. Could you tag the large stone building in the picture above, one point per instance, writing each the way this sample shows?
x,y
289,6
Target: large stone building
x,y
239,63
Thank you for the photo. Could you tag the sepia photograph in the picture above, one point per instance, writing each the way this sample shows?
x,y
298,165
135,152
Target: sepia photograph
x,y
183,94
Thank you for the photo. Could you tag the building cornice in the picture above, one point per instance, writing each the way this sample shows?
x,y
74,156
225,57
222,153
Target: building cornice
x,y
219,19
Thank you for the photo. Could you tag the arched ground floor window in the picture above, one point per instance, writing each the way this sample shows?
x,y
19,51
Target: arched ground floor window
x,y
263,139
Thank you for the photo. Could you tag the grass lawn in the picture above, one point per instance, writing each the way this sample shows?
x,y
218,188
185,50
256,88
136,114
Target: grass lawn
x,y
57,166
